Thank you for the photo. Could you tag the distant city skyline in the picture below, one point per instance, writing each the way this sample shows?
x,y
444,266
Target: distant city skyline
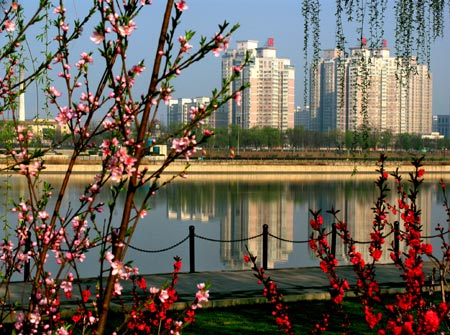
x,y
337,98
259,20
282,21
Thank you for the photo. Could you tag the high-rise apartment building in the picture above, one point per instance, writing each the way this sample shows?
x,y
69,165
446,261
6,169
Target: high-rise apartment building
x,y
269,101
178,111
363,87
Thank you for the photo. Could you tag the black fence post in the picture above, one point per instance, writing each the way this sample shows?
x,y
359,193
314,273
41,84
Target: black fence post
x,y
396,237
191,249
265,245
333,239
26,269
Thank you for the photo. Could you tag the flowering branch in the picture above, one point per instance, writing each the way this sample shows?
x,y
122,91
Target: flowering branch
x,y
280,310
102,116
412,312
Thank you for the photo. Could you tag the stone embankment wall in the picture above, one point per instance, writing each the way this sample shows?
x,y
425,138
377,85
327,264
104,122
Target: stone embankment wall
x,y
91,164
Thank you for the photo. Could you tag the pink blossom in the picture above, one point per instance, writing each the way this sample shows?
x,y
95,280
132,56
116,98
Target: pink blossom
x,y
34,318
109,257
221,44
54,92
19,320
137,69
181,5
163,295
208,132
86,57
142,213
238,97
153,290
10,25
64,116
202,295
180,144
185,46
185,145
97,37
118,269
59,10
117,288
43,215
64,26
178,327
127,29
193,112
66,286
62,331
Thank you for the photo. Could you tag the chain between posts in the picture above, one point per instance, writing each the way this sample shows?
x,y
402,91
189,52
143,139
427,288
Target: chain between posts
x,y
265,235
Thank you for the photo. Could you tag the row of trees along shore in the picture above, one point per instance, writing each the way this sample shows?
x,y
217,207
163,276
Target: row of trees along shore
x,y
267,138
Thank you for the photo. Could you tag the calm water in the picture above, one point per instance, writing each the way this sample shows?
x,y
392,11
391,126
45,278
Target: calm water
x,y
235,208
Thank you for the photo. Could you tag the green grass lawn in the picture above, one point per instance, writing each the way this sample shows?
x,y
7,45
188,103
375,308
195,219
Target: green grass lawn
x,y
257,319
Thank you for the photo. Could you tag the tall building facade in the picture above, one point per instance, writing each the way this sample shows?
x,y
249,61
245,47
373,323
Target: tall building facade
x,y
363,88
270,99
441,124
178,111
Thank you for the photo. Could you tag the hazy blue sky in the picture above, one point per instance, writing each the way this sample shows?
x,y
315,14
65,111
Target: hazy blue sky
x,y
259,19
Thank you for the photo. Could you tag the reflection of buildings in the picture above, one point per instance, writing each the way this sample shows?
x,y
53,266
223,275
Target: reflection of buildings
x,y
355,209
243,208
245,219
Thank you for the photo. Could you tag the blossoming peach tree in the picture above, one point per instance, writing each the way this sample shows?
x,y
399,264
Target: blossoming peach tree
x,y
105,108
417,309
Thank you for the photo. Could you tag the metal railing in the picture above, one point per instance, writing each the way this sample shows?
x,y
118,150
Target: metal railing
x,y
265,244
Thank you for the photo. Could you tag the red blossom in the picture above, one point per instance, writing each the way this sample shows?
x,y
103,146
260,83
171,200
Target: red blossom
x,y
142,283
420,173
431,322
316,223
86,294
376,254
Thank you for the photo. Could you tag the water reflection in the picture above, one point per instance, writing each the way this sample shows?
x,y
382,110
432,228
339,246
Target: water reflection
x,y
235,208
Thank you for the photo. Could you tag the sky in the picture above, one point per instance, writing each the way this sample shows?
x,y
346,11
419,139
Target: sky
x,y
259,20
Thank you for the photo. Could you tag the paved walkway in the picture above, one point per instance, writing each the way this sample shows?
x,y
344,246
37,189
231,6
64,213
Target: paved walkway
x,y
231,288
240,287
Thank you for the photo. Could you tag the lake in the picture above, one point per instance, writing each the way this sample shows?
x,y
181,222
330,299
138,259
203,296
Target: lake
x,y
235,207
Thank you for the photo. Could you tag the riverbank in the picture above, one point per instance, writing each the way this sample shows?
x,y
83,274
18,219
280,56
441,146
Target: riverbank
x,y
92,165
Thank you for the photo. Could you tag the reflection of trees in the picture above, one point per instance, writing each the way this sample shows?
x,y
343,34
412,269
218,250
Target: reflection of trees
x,y
303,192
192,200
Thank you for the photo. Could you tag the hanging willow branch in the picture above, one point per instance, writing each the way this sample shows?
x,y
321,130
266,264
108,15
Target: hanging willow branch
x,y
305,13
340,46
417,25
377,12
